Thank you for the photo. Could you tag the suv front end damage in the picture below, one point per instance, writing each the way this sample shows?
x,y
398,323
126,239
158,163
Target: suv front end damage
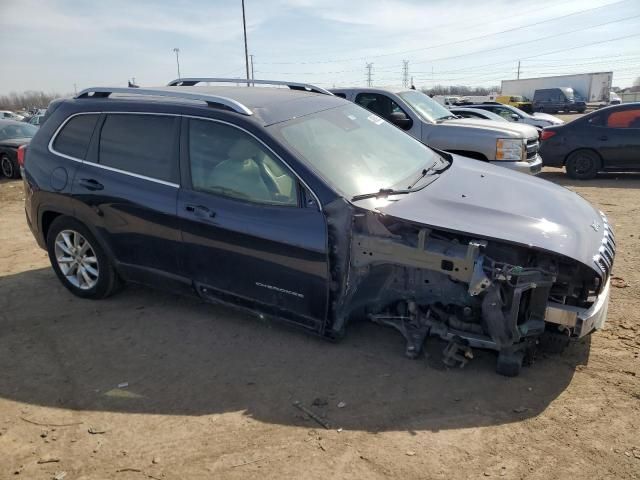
x,y
471,291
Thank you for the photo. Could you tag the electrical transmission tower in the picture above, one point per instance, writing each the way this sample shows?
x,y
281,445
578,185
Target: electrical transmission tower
x,y
369,74
405,73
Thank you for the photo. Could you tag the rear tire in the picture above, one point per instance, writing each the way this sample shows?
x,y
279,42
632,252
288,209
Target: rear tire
x,y
9,168
509,364
79,261
583,165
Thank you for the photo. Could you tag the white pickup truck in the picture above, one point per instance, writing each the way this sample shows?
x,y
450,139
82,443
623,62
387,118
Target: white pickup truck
x,y
509,145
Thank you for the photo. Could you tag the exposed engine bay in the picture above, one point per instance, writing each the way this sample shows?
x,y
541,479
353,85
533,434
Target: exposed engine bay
x,y
472,292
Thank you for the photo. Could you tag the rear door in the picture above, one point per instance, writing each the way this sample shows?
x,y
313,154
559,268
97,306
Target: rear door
x,y
251,232
127,191
619,138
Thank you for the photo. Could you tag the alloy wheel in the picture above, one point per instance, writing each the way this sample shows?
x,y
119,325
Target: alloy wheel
x,y
76,259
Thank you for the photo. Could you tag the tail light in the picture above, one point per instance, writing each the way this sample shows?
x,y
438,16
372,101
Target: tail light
x,y
22,149
547,134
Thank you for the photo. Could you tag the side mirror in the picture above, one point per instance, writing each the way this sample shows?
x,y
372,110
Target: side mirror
x,y
515,117
401,120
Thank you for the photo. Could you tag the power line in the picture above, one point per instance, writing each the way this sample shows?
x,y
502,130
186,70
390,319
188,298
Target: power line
x,y
457,41
555,35
498,48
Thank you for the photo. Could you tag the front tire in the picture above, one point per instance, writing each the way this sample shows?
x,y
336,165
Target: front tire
x,y
79,261
583,165
9,167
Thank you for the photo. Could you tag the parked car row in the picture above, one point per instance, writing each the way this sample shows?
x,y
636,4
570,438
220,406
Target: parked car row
x,y
320,211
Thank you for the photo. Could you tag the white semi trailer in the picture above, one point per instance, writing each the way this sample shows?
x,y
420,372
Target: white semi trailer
x,y
593,87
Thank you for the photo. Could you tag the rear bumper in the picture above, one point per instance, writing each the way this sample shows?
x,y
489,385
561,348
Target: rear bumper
x,y
581,321
531,167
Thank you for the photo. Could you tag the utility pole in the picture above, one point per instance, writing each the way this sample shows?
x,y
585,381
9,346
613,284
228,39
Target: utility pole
x,y
177,52
246,50
405,73
369,76
518,69
252,75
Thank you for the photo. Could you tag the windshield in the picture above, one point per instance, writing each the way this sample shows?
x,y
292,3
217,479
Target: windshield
x,y
17,130
354,150
569,94
427,108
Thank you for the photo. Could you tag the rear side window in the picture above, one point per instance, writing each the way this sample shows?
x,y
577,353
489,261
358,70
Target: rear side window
x,y
341,95
74,138
624,119
141,144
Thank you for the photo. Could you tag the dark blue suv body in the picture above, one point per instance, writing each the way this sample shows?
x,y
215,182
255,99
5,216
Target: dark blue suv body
x,y
300,205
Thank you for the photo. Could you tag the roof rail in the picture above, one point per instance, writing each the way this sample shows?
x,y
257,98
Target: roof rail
x,y
211,100
189,82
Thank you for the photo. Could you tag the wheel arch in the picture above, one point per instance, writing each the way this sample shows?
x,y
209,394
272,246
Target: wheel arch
x,y
49,214
586,149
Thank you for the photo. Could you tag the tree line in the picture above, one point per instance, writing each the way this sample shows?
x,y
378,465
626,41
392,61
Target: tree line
x,y
460,90
27,100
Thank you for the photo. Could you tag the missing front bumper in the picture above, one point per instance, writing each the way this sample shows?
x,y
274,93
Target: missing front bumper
x,y
581,321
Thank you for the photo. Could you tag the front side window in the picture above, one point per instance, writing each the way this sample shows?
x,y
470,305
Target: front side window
x,y
227,161
504,113
141,144
354,151
74,138
624,119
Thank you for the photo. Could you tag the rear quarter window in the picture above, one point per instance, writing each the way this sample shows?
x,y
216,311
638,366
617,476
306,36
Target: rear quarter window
x,y
141,144
74,137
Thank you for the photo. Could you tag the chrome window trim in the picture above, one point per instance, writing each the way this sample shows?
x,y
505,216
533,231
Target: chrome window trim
x,y
163,182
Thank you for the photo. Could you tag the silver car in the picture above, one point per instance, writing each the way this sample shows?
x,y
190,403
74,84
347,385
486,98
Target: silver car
x,y
505,144
513,114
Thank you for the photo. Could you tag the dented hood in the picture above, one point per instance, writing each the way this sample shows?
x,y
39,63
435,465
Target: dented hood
x,y
484,200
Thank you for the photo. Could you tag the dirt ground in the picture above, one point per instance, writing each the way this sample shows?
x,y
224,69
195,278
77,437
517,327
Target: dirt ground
x,y
209,391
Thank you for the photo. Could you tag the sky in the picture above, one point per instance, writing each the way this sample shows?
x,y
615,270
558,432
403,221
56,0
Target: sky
x,y
62,45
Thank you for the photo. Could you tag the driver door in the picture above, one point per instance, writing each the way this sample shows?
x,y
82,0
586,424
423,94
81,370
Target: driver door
x,y
246,235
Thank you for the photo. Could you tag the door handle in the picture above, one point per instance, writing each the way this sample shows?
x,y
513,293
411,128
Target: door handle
x,y
604,138
91,184
200,210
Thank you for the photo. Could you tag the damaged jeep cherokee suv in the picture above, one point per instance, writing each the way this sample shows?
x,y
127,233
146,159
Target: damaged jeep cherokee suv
x,y
297,204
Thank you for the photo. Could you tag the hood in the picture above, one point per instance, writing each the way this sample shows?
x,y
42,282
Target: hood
x,y
550,118
492,202
507,129
15,142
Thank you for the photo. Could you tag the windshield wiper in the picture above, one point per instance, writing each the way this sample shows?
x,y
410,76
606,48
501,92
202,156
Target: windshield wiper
x,y
448,117
432,170
382,193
